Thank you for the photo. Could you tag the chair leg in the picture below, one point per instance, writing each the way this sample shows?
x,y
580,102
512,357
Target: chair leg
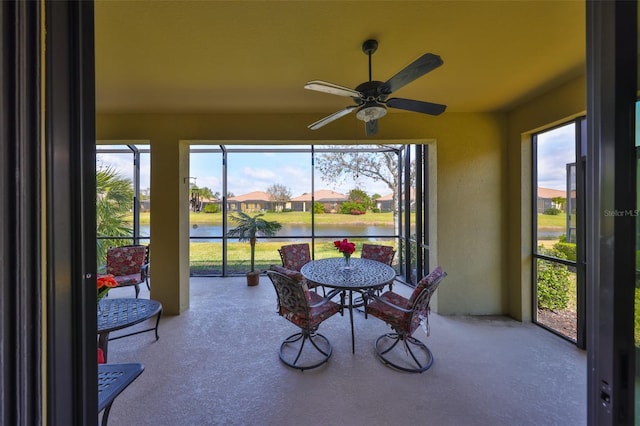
x,y
137,288
406,360
296,343
105,415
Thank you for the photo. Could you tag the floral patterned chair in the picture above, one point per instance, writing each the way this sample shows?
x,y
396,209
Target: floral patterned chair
x,y
384,254
294,257
307,310
404,316
129,265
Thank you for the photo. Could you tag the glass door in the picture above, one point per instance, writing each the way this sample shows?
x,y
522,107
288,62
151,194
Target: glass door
x,y
559,155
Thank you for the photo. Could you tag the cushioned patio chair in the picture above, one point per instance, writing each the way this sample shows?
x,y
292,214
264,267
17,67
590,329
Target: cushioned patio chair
x,y
129,265
307,310
404,316
384,254
294,257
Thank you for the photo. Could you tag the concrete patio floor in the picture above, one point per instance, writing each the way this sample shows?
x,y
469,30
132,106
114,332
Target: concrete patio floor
x,y
217,364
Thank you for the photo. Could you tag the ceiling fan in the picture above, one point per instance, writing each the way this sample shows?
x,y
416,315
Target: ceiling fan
x,y
371,96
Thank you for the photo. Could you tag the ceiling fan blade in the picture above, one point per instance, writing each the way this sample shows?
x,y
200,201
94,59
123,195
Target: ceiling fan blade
x,y
328,119
371,127
334,89
417,68
416,106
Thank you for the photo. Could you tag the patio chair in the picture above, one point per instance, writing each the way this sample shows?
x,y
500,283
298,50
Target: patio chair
x,y
294,257
404,316
307,310
384,254
129,265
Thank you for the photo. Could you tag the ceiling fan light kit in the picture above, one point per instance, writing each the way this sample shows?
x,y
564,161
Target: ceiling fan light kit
x,y
371,96
371,112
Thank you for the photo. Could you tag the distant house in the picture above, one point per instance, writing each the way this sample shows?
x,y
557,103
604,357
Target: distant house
x,y
385,203
206,201
546,196
145,205
251,202
330,200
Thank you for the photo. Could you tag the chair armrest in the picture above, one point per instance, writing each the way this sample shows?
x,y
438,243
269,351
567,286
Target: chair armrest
x,y
144,271
327,299
371,295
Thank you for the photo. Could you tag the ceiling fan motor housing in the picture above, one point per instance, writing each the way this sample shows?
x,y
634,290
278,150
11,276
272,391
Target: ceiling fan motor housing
x,y
371,96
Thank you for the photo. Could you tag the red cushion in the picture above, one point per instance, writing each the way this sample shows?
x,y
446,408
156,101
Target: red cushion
x,y
316,314
124,280
295,256
125,260
398,320
380,253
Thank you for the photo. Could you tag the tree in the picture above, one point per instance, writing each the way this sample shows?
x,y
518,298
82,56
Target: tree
x,y
249,227
279,195
559,202
206,193
360,197
114,198
380,166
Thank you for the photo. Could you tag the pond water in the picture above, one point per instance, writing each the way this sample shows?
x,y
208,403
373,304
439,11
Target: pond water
x,y
291,230
550,233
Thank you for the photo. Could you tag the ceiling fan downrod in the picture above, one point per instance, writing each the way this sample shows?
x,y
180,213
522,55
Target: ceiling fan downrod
x,y
369,47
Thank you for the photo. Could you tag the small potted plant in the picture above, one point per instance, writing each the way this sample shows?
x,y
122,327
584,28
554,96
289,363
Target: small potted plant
x,y
247,229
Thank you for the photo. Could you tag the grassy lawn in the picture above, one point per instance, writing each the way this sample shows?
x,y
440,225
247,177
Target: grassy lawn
x,y
552,221
207,256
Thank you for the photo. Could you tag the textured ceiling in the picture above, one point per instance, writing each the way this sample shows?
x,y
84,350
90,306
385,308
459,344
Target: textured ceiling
x,y
255,56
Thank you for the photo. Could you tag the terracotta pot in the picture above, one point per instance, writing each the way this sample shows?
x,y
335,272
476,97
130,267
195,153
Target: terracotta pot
x,y
253,278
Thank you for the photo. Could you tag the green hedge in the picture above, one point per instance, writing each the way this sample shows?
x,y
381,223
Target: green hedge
x,y
553,281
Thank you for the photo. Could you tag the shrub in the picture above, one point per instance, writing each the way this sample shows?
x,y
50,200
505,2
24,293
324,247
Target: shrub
x,y
553,281
318,207
211,208
351,207
567,249
375,210
552,211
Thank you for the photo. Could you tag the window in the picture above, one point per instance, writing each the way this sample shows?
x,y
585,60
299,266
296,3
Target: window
x,y
318,193
558,156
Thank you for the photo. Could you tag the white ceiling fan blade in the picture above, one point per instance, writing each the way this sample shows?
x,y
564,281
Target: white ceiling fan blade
x,y
328,119
333,89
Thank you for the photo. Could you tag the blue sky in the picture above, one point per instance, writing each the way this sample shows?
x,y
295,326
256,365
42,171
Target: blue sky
x,y
257,171
556,148
247,172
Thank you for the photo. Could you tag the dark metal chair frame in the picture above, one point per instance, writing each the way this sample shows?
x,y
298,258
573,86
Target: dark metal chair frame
x,y
299,306
415,312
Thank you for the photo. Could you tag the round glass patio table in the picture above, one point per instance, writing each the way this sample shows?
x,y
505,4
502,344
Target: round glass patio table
x,y
362,275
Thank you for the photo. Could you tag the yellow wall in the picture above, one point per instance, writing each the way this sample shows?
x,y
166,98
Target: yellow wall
x,y
482,211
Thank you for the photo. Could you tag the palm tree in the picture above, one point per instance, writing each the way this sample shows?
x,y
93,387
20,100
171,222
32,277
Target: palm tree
x,y
114,196
251,226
